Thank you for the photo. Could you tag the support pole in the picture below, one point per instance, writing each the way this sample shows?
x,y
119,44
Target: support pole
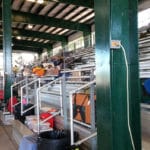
x,y
63,87
87,39
7,50
49,50
118,118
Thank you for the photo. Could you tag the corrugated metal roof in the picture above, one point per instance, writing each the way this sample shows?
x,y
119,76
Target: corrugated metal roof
x,y
50,9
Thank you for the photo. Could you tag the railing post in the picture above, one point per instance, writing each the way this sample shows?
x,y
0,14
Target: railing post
x,y
64,102
71,119
92,102
27,92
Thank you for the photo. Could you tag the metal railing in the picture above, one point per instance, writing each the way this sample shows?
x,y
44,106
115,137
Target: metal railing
x,y
18,85
33,85
71,112
38,102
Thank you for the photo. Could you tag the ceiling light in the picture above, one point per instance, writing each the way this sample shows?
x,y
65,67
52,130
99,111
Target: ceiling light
x,y
40,1
31,0
19,37
30,26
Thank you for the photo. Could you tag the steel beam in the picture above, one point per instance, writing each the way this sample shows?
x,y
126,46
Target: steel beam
x,y
28,49
41,35
87,39
29,18
84,3
32,43
36,34
25,48
7,50
118,118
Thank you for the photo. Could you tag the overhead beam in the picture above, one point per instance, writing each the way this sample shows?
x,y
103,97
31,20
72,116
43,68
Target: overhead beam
x,y
32,43
36,34
84,3
25,48
41,35
29,18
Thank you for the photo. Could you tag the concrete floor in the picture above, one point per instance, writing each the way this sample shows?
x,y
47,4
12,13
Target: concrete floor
x,y
7,143
6,140
145,142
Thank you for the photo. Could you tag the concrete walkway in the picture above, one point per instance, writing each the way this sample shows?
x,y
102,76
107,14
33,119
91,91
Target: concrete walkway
x,y
6,141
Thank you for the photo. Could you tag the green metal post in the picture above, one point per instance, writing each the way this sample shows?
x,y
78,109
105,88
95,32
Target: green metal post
x,y
49,51
87,39
7,50
118,118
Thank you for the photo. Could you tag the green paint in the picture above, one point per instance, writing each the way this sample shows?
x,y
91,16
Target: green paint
x,y
117,20
36,34
25,48
87,39
84,3
7,50
32,43
40,35
49,51
23,17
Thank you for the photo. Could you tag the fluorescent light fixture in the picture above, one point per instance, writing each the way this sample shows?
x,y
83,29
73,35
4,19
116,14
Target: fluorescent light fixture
x,y
30,26
19,37
144,18
37,1
31,0
40,1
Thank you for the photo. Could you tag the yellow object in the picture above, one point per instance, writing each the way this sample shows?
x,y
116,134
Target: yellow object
x,y
15,69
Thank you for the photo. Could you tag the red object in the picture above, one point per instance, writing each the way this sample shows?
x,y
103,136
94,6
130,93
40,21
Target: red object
x,y
14,101
46,115
1,94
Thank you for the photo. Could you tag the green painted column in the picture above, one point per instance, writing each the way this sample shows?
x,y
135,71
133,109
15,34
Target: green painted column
x,y
7,50
118,118
87,39
49,51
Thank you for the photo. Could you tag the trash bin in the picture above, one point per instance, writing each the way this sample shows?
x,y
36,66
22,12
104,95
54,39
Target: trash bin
x,y
55,140
17,112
